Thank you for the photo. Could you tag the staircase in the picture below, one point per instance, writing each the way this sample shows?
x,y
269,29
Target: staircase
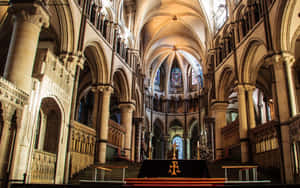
x,y
116,173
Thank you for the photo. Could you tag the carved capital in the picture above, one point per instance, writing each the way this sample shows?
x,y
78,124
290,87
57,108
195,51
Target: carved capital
x,y
106,90
128,107
250,88
240,89
71,61
34,13
279,59
8,111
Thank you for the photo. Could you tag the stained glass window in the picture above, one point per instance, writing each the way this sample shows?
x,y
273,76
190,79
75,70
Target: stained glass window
x,y
176,77
216,11
220,11
195,77
201,79
179,146
157,78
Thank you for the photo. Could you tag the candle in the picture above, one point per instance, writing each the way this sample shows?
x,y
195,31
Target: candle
x,y
198,144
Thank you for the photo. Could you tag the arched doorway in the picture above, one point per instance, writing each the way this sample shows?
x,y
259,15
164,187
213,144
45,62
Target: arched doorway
x,y
46,144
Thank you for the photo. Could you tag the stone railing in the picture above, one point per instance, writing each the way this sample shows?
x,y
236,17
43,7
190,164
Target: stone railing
x,y
116,134
83,140
11,94
43,167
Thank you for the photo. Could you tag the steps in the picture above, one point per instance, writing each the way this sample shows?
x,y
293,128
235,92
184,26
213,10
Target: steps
x,y
115,175
174,182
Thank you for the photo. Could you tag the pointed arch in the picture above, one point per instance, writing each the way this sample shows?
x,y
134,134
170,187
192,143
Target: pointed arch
x,y
225,83
252,58
121,85
98,62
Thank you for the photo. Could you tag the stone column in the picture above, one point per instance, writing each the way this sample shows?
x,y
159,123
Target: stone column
x,y
250,90
166,146
188,149
285,101
29,18
138,145
102,130
8,111
219,113
108,26
132,142
126,121
243,126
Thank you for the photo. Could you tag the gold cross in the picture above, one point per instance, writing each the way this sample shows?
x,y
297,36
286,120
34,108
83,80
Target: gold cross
x,y
174,168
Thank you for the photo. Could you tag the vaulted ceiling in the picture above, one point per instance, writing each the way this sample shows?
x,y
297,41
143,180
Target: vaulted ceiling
x,y
170,27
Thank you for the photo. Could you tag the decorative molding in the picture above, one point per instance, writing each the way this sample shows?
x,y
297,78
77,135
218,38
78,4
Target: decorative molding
x,y
11,94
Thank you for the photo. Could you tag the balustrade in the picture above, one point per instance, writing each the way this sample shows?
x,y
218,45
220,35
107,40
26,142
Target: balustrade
x,y
43,167
116,134
82,142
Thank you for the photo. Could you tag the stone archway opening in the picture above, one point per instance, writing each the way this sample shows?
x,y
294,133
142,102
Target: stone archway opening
x,y
46,146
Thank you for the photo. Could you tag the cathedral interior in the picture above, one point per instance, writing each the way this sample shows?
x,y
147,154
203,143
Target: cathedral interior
x,y
86,83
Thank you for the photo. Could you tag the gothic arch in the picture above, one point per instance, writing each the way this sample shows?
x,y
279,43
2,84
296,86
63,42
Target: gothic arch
x,y
193,123
175,122
62,20
289,27
252,59
53,125
121,85
225,83
98,62
158,123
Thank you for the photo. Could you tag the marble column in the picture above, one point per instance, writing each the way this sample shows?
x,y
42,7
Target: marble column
x,y
126,121
243,126
219,113
106,92
8,111
285,101
250,90
29,18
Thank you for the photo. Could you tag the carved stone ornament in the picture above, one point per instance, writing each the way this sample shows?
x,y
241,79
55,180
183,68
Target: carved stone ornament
x,y
28,12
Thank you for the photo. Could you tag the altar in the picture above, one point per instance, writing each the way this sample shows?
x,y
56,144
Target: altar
x,y
174,168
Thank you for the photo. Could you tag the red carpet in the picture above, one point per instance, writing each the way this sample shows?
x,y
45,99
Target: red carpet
x,y
174,182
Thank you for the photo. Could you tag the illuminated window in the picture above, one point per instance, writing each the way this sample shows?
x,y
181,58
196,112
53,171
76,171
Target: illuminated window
x,y
195,78
157,78
179,146
220,12
216,11
176,77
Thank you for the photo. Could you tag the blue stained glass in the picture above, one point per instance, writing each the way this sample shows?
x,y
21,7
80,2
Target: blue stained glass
x,y
201,79
157,78
179,146
176,80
